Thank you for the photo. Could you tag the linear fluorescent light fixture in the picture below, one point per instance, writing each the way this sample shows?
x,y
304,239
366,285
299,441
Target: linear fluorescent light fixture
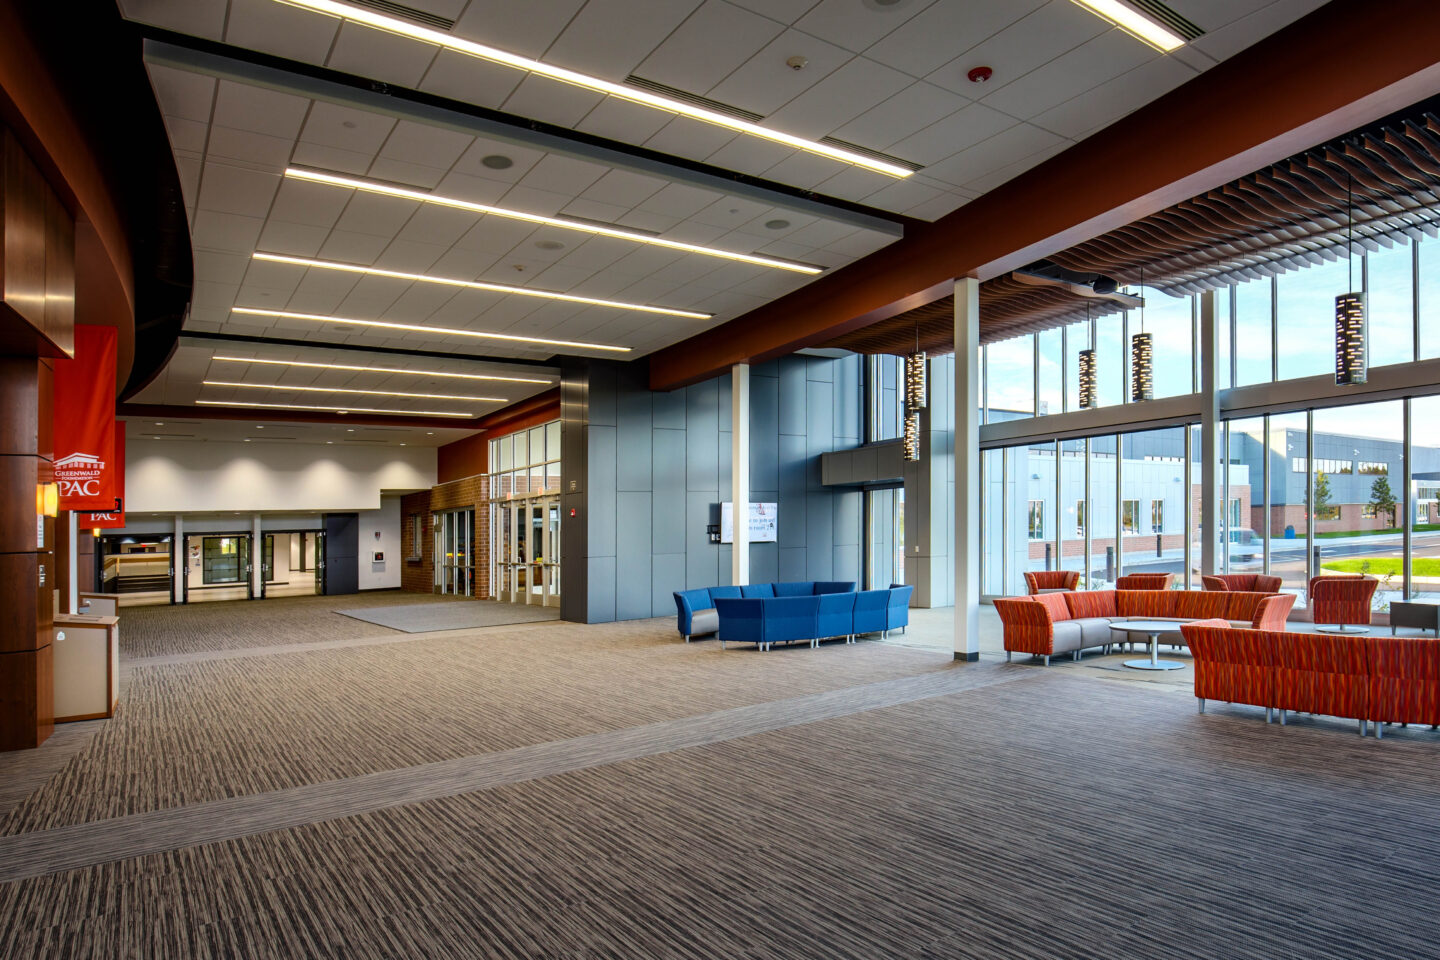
x,y
420,196
1134,23
301,406
439,331
356,367
380,21
475,285
368,393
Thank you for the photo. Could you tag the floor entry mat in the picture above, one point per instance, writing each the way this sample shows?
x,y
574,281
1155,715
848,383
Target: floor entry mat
x,y
460,615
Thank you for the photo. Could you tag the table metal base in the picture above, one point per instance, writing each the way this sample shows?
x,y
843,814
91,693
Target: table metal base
x,y
1341,628
1154,664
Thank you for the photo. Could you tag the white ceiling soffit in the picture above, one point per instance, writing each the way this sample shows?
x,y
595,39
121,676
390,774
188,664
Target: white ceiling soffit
x,y
205,371
263,431
889,77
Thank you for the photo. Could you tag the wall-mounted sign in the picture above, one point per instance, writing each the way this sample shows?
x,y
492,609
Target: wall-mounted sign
x,y
378,556
763,517
85,422
112,519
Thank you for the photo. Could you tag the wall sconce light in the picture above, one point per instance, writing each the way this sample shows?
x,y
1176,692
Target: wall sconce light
x,y
1087,379
1351,334
47,500
95,533
1142,374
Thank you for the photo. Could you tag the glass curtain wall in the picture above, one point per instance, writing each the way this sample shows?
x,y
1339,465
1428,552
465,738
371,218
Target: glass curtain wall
x,y
886,513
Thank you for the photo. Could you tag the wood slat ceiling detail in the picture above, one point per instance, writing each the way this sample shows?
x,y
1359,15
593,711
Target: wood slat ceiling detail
x,y
1286,217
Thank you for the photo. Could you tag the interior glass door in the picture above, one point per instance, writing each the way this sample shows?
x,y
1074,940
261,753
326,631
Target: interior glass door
x,y
319,564
552,553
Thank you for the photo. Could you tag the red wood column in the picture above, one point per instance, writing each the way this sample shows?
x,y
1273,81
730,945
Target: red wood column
x,y
27,561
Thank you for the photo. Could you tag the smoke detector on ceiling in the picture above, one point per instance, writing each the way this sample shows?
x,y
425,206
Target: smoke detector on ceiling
x,y
980,74
884,4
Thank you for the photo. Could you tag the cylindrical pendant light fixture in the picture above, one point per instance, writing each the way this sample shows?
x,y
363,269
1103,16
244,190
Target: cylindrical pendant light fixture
x,y
1351,335
915,381
1142,373
911,442
1087,379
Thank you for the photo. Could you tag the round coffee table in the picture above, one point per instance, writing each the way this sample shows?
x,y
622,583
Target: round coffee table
x,y
1152,629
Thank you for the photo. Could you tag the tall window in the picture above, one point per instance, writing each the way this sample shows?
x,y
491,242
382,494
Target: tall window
x,y
1037,519
1080,518
1157,516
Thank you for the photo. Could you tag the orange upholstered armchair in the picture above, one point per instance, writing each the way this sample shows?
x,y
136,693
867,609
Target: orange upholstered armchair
x,y
1051,581
1145,581
1342,601
1244,582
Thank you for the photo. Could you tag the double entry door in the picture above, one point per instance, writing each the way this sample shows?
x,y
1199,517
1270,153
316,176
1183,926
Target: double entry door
x,y
526,551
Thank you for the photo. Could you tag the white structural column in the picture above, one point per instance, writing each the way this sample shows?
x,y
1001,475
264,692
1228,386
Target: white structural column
x,y
72,547
257,558
967,469
1209,434
178,563
740,473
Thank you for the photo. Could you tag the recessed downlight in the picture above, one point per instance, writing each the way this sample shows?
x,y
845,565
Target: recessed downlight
x,y
549,245
497,161
477,285
776,224
390,190
359,368
438,331
449,41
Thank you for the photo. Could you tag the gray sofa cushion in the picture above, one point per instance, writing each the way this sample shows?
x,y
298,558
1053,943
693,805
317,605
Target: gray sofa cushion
x,y
1066,636
1052,590
704,621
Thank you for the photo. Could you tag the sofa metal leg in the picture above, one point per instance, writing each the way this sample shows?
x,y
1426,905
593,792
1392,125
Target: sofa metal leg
x,y
1202,704
1047,660
1007,656
1282,718
687,638
1362,728
1075,657
1268,711
722,643
1379,730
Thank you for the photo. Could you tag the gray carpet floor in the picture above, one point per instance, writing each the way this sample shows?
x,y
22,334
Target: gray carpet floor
x,y
561,791
469,615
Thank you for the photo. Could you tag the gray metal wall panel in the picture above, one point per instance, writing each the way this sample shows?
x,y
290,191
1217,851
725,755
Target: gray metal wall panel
x,y
849,517
667,576
819,537
791,406
764,433
847,563
792,494
600,589
602,491
633,557
764,563
792,563
701,423
602,394
817,368
669,409
847,402
702,565
668,502
632,433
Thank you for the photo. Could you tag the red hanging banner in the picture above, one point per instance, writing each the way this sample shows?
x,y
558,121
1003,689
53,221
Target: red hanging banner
x,y
85,422
115,519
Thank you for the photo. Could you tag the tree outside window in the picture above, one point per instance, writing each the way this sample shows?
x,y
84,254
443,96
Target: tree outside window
x,y
1382,499
1323,508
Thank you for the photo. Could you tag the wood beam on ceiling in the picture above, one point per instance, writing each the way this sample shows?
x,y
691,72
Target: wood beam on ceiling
x,y
1276,98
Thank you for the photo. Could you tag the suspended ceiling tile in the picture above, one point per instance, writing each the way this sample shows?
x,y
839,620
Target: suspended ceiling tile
x,y
199,18
470,79
332,159
1108,102
763,84
964,128
430,146
608,38
408,174
310,203
856,26
280,29
930,39
530,35
563,175
187,137
214,230
783,11
382,56
1223,40
1007,147
705,49
352,247
1107,56
623,121
376,215
540,98
855,87
691,139
292,239
182,94
906,113
332,125
256,109
242,146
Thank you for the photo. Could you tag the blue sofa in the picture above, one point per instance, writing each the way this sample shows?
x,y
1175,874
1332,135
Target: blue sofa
x,y
766,621
695,613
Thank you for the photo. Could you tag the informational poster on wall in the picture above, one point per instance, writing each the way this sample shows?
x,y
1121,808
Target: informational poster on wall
x,y
762,522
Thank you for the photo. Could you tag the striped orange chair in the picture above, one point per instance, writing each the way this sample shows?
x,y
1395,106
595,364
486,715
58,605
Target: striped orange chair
x,y
1235,666
1342,601
1051,581
1246,582
1317,673
1145,581
1404,681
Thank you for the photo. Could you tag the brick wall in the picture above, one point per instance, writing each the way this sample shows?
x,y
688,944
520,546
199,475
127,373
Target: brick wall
x,y
468,493
417,577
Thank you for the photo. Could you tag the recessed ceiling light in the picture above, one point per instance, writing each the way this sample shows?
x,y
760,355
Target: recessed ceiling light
x,y
351,366
429,433
389,190
438,331
329,441
349,429
447,41
377,393
159,423
476,285
259,427
549,245
301,406
402,444
776,224
497,161
1134,23
247,439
